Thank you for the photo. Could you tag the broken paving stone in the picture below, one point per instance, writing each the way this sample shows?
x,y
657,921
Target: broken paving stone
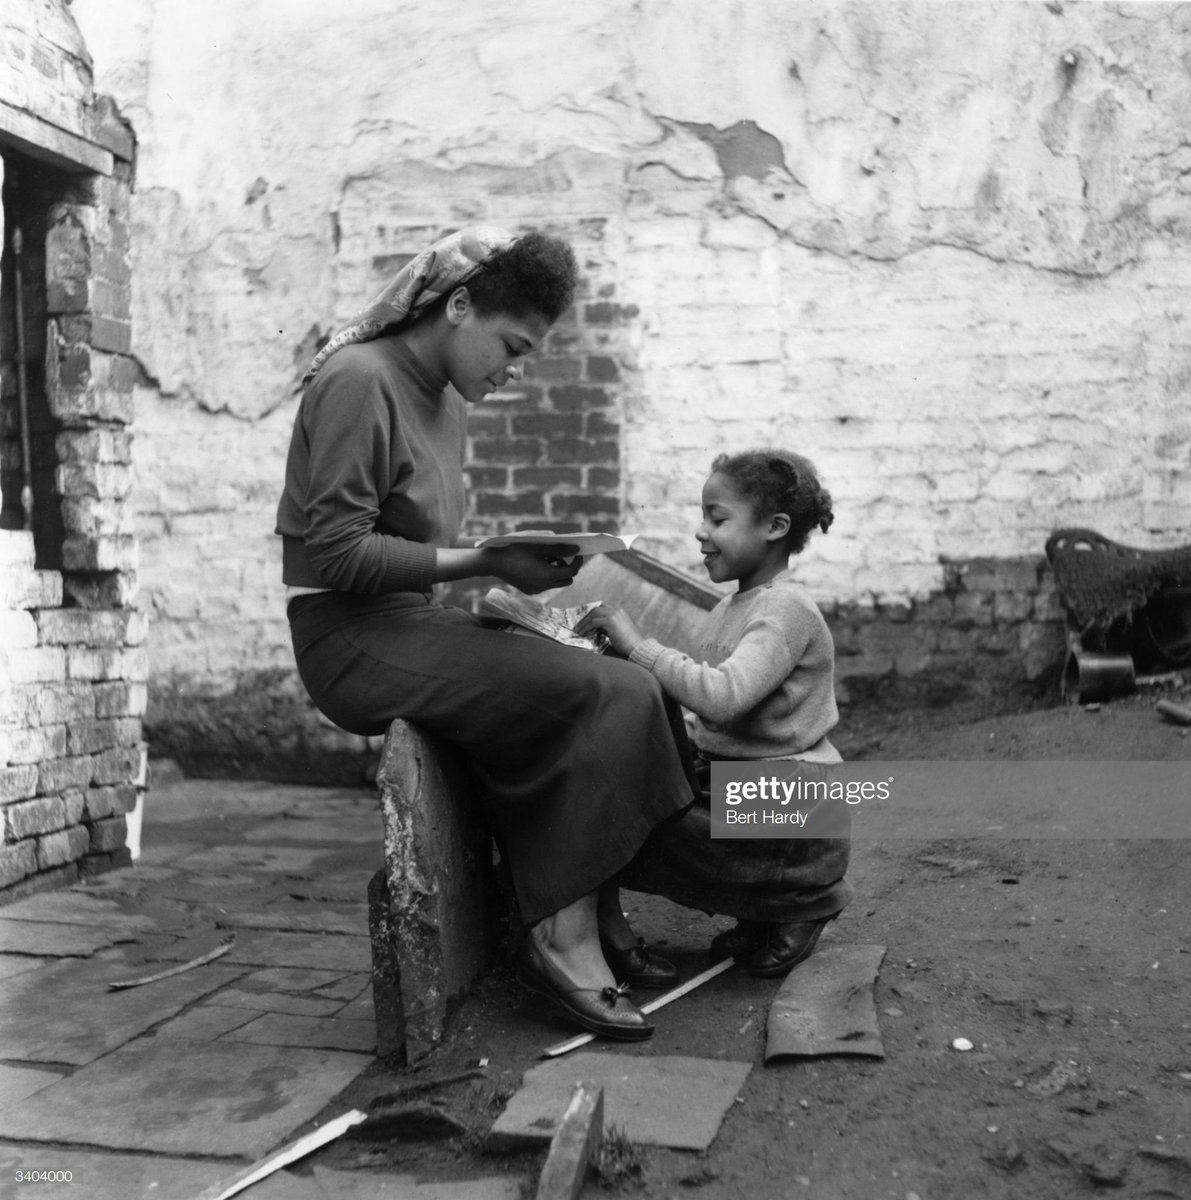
x,y
327,1184
638,1098
99,1176
231,1099
825,1006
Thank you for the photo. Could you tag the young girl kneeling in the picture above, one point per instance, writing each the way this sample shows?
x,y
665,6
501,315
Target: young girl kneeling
x,y
762,689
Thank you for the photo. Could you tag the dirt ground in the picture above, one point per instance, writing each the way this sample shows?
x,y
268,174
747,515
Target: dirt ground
x,y
1066,963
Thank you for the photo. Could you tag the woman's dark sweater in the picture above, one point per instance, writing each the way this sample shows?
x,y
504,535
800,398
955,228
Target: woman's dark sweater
x,y
374,477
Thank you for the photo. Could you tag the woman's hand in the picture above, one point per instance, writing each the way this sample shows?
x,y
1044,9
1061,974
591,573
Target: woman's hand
x,y
617,624
533,568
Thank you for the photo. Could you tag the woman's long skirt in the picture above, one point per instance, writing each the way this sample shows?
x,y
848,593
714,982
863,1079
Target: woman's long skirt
x,y
578,757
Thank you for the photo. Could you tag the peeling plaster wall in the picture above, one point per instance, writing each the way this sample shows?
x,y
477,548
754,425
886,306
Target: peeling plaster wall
x,y
942,249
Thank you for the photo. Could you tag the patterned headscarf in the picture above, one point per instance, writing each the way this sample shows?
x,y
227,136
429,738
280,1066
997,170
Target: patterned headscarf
x,y
424,279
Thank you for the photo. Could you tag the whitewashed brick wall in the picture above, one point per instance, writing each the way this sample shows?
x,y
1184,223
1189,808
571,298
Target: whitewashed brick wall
x,y
943,249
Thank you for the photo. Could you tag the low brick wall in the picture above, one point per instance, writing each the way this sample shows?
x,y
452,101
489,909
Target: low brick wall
x,y
72,695
996,627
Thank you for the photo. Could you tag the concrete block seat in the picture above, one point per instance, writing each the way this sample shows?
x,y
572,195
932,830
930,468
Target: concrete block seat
x,y
435,907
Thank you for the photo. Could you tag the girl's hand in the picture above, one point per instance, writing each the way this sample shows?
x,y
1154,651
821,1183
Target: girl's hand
x,y
533,568
617,624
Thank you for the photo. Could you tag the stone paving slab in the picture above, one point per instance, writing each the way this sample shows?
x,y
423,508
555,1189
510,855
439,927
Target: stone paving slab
x,y
298,980
76,908
639,1095
97,1176
165,854
361,1008
350,987
127,881
270,859
330,1033
204,1023
341,887
307,919
311,829
199,800
66,1014
277,1002
220,1098
18,1082
58,941
218,890
324,951
18,964
326,1184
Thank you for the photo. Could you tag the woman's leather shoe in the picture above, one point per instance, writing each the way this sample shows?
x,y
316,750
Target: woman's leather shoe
x,y
786,946
739,942
605,1011
639,966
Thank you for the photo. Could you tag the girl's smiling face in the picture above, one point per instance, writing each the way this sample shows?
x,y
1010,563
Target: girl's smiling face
x,y
737,542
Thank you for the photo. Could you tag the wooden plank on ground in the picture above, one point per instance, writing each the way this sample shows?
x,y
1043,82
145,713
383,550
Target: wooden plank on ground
x,y
576,1139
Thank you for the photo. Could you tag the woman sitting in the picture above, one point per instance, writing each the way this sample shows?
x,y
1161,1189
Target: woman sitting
x,y
578,757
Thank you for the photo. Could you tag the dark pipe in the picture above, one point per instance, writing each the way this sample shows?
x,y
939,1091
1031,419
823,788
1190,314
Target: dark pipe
x,y
23,389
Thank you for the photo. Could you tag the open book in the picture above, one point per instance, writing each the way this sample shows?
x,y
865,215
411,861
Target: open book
x,y
584,543
558,623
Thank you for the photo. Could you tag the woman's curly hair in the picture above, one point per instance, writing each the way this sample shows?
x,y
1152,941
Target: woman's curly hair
x,y
535,274
779,481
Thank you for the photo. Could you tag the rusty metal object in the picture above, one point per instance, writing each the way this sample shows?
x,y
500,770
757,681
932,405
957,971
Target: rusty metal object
x,y
1176,714
1090,678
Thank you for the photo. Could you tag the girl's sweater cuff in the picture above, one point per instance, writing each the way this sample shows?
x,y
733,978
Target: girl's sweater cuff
x,y
646,653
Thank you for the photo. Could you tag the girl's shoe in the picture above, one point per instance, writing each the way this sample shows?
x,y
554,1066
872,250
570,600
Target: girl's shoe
x,y
738,943
785,947
639,966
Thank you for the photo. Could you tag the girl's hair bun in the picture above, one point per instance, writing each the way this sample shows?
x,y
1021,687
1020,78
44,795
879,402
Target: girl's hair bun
x,y
780,481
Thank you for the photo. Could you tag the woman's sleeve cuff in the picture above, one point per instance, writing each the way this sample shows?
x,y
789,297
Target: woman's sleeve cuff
x,y
409,566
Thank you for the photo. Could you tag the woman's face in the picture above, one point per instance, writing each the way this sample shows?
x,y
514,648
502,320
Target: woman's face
x,y
485,352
